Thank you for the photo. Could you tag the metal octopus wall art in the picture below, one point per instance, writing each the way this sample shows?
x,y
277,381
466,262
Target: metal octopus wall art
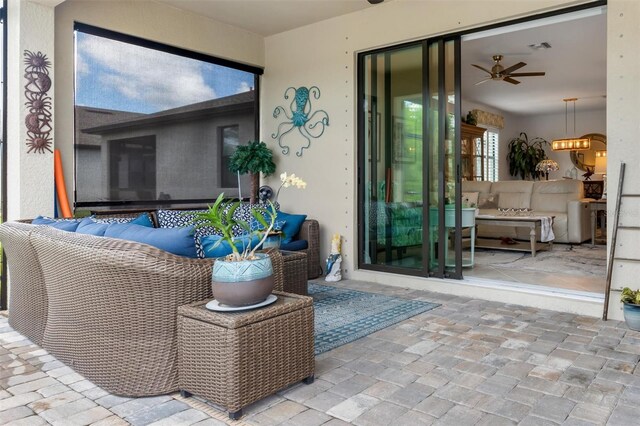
x,y
310,125
38,119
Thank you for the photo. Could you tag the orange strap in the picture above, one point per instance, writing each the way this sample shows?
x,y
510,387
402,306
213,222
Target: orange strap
x,y
61,189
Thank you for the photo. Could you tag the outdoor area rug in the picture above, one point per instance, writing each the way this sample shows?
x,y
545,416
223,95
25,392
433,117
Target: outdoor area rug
x,y
343,315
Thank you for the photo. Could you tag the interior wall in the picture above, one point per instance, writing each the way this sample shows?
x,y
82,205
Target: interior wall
x,y
511,129
552,126
324,54
146,19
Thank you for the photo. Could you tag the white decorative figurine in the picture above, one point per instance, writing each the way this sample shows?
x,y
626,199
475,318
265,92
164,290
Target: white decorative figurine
x,y
334,273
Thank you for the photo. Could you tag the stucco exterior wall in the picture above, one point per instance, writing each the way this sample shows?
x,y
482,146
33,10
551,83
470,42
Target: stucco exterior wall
x,y
623,128
146,19
30,185
324,54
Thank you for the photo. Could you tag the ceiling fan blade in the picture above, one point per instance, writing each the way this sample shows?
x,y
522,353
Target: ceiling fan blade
x,y
526,74
481,68
510,80
513,68
483,81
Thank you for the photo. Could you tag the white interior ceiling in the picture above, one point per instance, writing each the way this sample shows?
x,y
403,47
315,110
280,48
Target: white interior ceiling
x,y
575,65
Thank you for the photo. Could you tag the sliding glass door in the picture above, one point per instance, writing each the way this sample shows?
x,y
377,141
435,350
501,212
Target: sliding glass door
x,y
409,192
3,150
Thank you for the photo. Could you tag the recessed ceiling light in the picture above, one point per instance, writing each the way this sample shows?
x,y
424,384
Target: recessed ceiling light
x,y
539,46
375,1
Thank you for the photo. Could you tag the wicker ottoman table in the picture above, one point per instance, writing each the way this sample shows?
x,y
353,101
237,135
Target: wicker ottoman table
x,y
294,265
236,358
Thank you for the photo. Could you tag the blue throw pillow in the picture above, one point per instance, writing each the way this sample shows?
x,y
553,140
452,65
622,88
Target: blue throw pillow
x,y
292,224
143,220
224,248
295,245
90,227
180,218
174,240
69,225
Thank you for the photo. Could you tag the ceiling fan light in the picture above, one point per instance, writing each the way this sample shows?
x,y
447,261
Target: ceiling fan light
x,y
375,1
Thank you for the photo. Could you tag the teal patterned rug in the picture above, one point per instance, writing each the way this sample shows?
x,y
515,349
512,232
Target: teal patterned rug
x,y
343,315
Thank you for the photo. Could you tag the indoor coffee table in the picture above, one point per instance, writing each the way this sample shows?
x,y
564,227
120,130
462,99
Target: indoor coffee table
x,y
236,358
529,222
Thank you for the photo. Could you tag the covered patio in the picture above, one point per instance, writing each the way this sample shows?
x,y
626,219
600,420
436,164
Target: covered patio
x,y
488,355
466,362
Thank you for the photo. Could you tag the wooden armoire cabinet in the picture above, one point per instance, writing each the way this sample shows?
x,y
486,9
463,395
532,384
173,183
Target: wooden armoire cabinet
x,y
471,152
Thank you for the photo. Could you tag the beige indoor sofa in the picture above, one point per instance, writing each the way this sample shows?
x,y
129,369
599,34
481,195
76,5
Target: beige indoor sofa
x,y
562,199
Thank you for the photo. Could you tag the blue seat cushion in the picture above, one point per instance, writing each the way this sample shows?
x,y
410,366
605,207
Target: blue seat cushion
x,y
178,241
295,245
292,224
213,247
69,225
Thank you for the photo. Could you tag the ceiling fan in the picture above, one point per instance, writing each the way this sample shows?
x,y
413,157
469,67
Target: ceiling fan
x,y
498,72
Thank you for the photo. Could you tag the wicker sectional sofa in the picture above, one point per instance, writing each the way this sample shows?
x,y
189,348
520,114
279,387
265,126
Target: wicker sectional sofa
x,y
104,306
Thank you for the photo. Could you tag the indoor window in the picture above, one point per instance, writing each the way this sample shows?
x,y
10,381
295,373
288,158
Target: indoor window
x,y
490,154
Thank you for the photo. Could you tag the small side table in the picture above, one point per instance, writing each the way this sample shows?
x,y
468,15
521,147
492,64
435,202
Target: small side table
x,y
234,359
294,265
596,206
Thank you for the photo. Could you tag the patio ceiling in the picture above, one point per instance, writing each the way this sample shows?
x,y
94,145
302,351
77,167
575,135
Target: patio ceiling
x,y
269,17
575,65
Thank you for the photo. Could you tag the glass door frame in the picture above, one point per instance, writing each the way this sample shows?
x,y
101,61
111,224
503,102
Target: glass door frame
x,y
3,166
440,271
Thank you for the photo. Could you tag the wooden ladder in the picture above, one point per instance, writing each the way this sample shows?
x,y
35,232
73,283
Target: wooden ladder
x,y
616,225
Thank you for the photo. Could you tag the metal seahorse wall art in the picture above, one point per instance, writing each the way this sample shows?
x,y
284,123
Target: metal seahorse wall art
x,y
310,125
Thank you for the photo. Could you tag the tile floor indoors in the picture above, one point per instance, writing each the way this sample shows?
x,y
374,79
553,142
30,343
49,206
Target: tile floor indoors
x,y
466,362
574,279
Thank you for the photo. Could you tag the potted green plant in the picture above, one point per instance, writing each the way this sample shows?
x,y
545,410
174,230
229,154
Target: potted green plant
x,y
631,307
243,277
253,158
524,155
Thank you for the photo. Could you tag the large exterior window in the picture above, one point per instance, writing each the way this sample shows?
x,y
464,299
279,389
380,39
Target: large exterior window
x,y
148,121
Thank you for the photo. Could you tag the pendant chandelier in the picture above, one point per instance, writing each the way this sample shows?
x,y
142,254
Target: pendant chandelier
x,y
570,144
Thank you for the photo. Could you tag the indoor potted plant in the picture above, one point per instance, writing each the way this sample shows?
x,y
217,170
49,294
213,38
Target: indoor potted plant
x,y
524,155
631,308
254,158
